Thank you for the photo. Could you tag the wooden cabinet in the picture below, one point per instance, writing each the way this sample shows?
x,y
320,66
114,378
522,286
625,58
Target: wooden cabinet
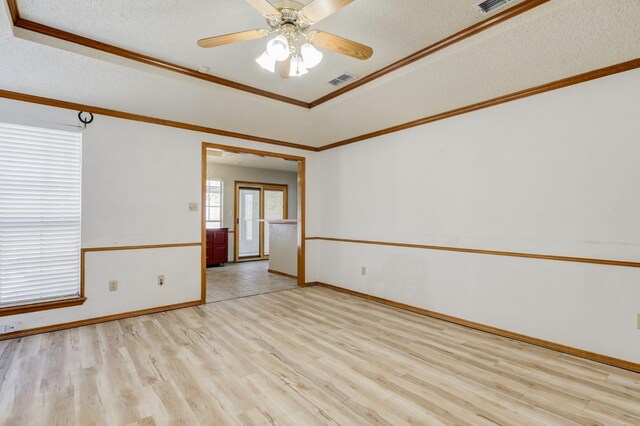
x,y
217,246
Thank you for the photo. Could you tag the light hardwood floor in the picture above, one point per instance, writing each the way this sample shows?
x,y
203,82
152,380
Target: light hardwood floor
x,y
243,279
302,357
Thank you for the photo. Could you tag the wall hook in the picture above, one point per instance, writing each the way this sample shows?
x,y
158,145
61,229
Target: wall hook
x,y
86,120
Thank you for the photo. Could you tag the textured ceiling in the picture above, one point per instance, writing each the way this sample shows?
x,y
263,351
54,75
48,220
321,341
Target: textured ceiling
x,y
6,30
168,30
250,160
559,39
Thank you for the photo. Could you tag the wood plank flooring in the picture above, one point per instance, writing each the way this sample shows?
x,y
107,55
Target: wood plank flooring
x,y
243,279
301,357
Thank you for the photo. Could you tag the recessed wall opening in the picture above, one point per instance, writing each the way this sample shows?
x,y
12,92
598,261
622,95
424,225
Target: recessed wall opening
x,y
252,222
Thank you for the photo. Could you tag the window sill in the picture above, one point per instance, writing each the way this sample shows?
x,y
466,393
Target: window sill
x,y
23,309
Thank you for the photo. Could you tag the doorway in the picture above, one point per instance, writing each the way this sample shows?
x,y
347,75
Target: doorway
x,y
255,205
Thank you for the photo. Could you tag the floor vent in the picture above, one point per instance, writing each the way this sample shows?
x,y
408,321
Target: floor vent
x,y
487,6
341,79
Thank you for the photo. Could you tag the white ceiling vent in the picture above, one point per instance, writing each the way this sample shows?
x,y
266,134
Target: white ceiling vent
x,y
342,78
487,6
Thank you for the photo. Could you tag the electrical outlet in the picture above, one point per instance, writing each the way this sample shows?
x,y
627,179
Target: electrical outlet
x,y
193,207
638,320
113,285
160,279
364,270
10,327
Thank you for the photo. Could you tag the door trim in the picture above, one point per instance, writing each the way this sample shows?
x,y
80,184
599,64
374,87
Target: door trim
x,y
301,208
262,186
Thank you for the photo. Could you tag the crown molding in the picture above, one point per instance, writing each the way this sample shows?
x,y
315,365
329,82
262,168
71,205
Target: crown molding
x,y
146,119
470,31
492,21
558,84
13,10
150,60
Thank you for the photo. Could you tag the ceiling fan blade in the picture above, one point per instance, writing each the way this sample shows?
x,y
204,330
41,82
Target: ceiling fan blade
x,y
264,8
232,38
340,45
285,68
317,10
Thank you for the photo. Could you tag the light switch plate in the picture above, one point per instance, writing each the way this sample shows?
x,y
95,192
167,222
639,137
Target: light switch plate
x,y
193,206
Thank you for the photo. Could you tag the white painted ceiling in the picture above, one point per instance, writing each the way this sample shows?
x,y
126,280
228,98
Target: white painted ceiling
x,y
215,156
559,39
168,30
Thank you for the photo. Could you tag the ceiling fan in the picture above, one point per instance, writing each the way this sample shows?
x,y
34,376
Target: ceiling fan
x,y
295,45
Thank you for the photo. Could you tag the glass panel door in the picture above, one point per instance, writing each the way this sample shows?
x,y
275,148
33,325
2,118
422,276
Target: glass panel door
x,y
249,225
274,208
255,204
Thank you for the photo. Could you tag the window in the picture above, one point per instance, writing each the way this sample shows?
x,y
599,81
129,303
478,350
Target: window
x,y
214,203
248,216
40,173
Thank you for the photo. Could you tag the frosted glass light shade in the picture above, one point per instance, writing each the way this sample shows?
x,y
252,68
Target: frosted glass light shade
x,y
266,62
297,67
310,55
278,48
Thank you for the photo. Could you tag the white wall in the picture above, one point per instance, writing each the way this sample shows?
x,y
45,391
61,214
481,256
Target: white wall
x,y
230,174
137,181
555,174
283,248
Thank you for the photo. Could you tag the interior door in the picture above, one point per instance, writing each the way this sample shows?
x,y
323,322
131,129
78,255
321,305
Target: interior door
x,y
249,209
256,203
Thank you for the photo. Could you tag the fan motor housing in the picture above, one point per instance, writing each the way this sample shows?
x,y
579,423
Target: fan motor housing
x,y
289,16
289,22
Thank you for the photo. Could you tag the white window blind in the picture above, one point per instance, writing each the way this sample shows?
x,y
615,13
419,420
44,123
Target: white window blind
x,y
40,175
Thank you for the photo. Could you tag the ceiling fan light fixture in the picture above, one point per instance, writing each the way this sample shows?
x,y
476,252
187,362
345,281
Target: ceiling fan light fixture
x,y
310,55
297,67
278,48
266,62
290,39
